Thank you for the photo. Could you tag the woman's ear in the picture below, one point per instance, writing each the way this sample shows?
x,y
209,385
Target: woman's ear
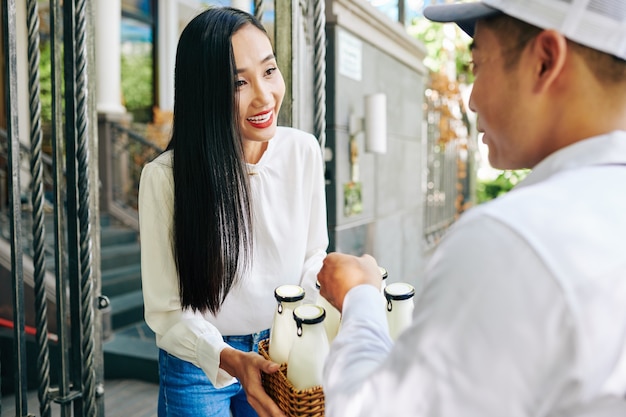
x,y
549,52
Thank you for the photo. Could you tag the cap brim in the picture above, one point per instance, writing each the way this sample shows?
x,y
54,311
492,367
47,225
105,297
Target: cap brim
x,y
463,14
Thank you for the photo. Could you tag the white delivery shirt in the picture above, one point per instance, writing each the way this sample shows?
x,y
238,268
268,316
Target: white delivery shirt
x,y
523,312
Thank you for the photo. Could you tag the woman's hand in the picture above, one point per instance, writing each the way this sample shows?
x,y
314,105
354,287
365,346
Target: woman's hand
x,y
340,273
247,368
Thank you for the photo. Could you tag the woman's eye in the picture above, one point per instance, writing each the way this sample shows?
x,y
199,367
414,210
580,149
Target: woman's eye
x,y
270,71
239,83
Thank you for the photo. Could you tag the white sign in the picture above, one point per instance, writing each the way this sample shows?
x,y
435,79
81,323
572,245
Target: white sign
x,y
350,56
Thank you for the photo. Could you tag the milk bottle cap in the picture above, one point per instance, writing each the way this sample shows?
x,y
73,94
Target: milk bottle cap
x,y
308,314
398,291
383,272
288,294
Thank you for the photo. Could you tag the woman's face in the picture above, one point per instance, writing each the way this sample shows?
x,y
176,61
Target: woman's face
x,y
259,83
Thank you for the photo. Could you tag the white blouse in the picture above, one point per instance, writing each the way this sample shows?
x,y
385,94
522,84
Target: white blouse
x,y
291,238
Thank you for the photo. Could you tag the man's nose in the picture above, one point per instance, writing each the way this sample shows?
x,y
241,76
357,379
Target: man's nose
x,y
471,102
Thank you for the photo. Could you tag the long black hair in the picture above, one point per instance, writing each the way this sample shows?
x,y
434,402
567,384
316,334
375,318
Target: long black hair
x,y
212,236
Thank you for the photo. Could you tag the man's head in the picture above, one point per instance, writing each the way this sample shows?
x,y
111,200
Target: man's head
x,y
598,24
547,72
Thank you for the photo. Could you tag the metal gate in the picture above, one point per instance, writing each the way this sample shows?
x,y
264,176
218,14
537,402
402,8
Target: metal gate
x,y
69,359
78,330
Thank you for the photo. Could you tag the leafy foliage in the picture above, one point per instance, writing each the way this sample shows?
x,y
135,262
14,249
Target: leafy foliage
x,y
489,189
45,80
137,76
438,46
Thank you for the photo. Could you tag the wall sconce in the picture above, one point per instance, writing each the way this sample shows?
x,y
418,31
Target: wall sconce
x,y
373,124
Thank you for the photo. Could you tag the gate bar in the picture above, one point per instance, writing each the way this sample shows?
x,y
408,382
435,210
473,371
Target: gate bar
x,y
63,394
37,202
17,272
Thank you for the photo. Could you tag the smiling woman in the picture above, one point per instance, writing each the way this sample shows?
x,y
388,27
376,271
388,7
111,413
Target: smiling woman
x,y
260,90
215,239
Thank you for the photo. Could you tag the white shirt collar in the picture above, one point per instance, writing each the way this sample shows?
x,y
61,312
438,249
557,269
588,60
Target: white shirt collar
x,y
605,149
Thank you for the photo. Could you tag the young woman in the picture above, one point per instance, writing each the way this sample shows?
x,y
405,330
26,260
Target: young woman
x,y
232,209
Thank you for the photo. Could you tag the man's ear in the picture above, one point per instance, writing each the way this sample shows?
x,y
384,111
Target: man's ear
x,y
549,50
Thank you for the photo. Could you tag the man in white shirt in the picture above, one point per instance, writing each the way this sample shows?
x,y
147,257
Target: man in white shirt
x,y
523,312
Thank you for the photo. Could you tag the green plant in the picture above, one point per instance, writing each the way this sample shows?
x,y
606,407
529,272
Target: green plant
x,y
137,76
45,79
440,48
489,189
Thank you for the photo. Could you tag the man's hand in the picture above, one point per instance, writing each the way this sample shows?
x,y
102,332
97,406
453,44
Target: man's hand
x,y
247,368
340,273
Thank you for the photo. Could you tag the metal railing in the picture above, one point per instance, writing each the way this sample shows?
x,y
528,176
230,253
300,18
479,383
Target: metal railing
x,y
449,168
79,362
124,152
64,185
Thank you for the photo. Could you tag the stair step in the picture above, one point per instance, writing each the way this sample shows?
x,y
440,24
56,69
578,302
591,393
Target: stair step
x,y
130,349
132,353
105,220
116,281
126,309
120,255
114,235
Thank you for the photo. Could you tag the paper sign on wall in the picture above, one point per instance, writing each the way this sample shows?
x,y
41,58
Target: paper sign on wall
x,y
350,56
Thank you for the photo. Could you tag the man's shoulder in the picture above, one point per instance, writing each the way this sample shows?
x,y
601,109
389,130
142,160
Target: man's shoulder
x,y
528,212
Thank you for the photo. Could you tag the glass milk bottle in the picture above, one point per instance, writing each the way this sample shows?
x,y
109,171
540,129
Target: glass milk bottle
x,y
400,303
310,347
333,316
384,275
383,284
283,329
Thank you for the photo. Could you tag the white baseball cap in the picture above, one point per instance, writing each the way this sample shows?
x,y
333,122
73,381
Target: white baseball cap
x,y
598,24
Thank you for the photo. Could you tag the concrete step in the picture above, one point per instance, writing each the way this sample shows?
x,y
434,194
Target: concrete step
x,y
130,350
120,255
132,353
126,309
116,281
115,235
105,220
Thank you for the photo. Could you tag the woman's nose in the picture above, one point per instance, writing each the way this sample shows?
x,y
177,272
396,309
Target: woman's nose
x,y
262,93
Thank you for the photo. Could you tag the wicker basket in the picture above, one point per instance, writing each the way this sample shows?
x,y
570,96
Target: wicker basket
x,y
294,403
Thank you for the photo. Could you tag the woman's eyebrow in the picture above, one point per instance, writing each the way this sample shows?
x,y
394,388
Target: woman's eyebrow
x,y
270,57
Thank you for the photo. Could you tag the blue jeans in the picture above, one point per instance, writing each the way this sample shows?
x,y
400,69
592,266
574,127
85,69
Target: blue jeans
x,y
185,390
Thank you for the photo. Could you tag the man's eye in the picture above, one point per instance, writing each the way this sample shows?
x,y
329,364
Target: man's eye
x,y
270,71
